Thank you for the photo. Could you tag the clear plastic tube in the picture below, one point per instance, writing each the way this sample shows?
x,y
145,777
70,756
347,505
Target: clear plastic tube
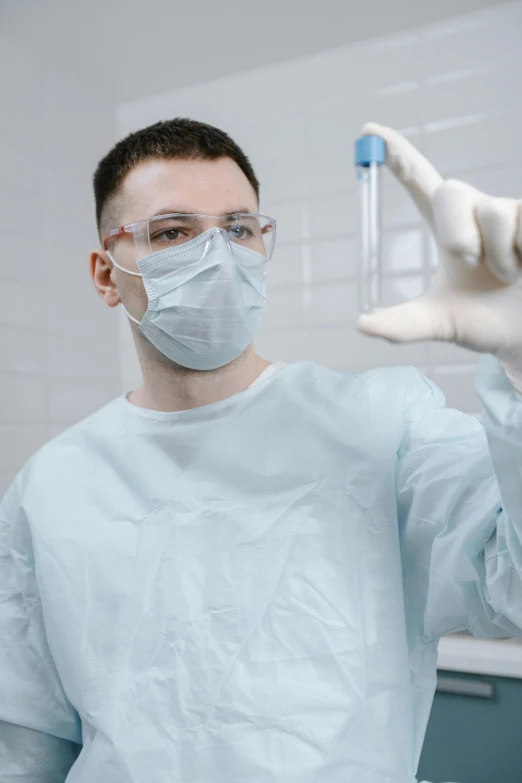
x,y
370,154
369,268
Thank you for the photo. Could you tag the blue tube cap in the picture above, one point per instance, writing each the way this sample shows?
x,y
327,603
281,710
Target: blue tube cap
x,y
370,149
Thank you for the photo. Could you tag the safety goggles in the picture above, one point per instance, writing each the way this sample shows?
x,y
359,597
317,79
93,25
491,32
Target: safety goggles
x,y
132,242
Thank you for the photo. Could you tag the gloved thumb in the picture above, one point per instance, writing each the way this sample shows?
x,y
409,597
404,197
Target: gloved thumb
x,y
424,318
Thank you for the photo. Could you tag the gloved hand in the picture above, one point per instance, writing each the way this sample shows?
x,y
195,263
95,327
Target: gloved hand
x,y
475,299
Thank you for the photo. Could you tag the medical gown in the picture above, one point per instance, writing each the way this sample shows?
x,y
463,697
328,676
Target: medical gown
x,y
253,591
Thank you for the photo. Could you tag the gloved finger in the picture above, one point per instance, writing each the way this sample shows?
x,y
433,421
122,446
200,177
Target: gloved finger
x,y
455,222
412,169
420,319
498,220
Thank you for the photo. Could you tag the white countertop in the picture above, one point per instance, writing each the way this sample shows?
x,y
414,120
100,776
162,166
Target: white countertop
x,y
462,653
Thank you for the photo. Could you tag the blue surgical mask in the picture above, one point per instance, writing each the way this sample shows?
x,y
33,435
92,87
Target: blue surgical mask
x,y
206,300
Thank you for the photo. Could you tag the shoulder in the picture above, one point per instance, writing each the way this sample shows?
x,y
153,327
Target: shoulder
x,y
69,453
371,407
395,385
104,423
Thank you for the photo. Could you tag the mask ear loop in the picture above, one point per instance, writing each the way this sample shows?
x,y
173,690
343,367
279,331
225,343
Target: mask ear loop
x,y
127,272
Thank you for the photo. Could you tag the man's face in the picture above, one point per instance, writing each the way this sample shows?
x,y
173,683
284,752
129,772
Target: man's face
x,y
154,187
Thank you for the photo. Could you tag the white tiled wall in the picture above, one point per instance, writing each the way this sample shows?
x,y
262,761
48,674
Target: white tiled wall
x,y
58,343
453,88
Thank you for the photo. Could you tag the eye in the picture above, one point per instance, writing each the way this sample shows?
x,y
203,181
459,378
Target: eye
x,y
240,232
169,235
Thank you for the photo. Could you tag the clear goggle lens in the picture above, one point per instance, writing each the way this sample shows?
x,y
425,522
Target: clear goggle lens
x,y
128,244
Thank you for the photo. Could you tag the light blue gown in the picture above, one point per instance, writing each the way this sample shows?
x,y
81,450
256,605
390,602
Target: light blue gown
x,y
253,591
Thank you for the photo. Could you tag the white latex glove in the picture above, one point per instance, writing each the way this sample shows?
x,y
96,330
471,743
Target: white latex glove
x,y
475,299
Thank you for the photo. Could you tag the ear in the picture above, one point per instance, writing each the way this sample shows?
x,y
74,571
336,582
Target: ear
x,y
102,273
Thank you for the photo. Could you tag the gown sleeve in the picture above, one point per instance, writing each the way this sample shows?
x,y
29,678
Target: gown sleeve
x,y
459,502
40,732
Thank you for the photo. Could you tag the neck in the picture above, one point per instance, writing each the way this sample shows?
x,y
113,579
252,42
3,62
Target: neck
x,y
169,387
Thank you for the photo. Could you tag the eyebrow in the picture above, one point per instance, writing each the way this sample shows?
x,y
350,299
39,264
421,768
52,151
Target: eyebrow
x,y
171,211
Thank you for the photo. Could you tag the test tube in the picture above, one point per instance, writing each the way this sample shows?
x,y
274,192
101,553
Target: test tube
x,y
370,154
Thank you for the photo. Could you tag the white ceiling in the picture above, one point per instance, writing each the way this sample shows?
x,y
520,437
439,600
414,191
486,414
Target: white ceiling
x,y
142,47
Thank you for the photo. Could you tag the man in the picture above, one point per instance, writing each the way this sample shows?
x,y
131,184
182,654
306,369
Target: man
x,y
240,573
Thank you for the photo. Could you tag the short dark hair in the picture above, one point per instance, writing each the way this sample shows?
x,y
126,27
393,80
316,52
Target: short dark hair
x,y
178,138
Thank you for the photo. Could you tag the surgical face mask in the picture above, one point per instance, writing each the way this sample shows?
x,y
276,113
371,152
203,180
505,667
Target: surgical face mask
x,y
206,299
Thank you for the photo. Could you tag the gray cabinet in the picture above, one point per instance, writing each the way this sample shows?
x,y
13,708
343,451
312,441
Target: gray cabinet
x,y
475,731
